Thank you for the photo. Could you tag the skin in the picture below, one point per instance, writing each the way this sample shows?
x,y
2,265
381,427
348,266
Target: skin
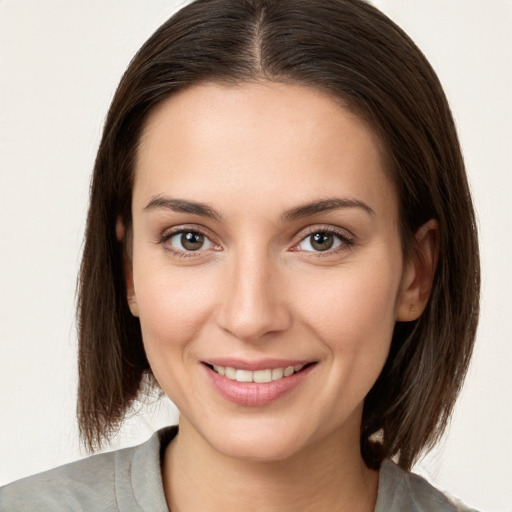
x,y
258,289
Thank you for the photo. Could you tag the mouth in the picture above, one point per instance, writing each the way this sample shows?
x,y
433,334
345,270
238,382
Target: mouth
x,y
265,383
258,376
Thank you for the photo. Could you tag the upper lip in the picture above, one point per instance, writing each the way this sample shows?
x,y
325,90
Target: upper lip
x,y
260,364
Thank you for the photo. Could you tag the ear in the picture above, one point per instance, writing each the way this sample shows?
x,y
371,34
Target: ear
x,y
127,267
419,273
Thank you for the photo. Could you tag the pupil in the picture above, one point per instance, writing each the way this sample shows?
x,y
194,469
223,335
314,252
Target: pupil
x,y
192,241
322,241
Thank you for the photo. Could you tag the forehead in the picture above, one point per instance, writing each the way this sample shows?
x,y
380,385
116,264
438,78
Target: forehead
x,y
223,141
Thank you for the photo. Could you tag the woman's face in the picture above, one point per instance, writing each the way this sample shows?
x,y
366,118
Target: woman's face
x,y
266,248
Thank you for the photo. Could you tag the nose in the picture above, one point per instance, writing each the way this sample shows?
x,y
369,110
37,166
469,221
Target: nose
x,y
253,299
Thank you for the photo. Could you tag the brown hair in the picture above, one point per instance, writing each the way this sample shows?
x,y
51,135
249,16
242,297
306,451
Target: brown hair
x,y
355,53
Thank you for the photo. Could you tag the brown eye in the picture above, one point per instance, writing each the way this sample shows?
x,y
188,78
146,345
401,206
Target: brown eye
x,y
322,241
189,241
192,241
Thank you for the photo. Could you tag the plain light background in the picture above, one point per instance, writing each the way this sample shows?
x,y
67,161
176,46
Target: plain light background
x,y
60,62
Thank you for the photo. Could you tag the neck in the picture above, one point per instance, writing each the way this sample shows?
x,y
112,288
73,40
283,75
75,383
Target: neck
x,y
327,476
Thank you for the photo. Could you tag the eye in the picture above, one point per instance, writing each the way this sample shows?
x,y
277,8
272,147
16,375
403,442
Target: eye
x,y
189,241
323,241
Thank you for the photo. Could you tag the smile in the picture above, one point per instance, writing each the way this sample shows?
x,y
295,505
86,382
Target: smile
x,y
259,376
256,384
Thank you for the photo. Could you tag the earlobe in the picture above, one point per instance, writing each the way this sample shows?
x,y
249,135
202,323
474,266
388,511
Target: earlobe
x,y
419,273
127,267
132,304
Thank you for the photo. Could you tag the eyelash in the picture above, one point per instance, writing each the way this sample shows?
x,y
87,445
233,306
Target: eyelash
x,y
167,235
346,241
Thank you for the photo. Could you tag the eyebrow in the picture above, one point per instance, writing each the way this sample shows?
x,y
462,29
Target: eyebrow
x,y
296,213
182,206
324,205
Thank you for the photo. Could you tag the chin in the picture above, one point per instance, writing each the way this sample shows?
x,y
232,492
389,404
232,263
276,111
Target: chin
x,y
258,448
258,439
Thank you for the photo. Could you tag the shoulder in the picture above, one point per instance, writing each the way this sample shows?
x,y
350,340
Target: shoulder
x,y
119,480
78,485
400,490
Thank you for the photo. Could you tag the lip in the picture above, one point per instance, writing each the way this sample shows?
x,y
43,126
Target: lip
x,y
254,394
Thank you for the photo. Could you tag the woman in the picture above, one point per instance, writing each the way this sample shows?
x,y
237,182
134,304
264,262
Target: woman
x,y
281,235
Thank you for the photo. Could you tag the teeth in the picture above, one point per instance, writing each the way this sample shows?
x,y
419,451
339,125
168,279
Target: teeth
x,y
230,373
243,375
262,376
220,369
259,376
277,373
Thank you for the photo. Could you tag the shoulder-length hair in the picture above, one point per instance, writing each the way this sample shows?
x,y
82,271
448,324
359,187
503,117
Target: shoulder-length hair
x,y
353,52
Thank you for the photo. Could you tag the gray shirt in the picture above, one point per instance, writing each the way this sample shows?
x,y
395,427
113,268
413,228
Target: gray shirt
x,y
130,480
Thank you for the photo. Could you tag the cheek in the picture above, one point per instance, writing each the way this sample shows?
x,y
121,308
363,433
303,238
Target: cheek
x,y
352,300
173,304
173,308
352,312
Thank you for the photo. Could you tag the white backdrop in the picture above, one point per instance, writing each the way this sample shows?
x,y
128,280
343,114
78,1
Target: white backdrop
x,y
60,62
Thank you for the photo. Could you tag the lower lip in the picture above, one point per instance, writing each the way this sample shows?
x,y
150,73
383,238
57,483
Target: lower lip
x,y
254,394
